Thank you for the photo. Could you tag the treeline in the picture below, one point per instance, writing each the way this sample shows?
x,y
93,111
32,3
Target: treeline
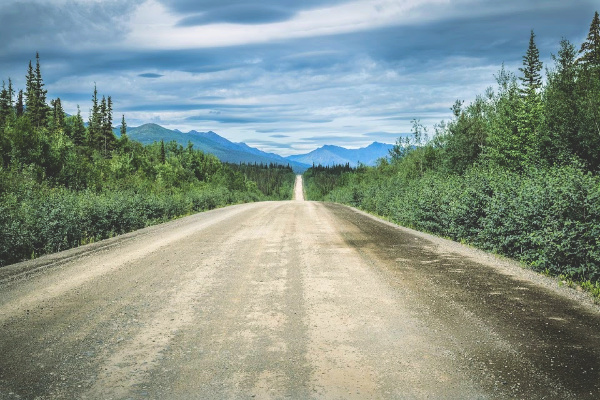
x,y
514,172
63,183
320,180
273,180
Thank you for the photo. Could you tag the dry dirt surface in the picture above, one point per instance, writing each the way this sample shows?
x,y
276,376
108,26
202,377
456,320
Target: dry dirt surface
x,y
298,300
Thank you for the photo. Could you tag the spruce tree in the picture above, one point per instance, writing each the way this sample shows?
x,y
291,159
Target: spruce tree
x,y
108,120
41,106
5,106
162,155
94,121
107,132
58,115
30,93
588,97
78,131
561,122
531,110
531,79
37,109
20,106
101,133
590,49
39,82
11,93
123,128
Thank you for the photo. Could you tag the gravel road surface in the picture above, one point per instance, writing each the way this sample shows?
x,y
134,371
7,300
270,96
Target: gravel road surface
x,y
298,300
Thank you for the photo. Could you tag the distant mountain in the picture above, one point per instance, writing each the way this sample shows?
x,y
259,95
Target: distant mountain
x,y
210,142
330,155
227,151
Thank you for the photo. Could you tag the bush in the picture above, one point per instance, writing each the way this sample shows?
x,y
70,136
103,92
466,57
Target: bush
x,y
548,218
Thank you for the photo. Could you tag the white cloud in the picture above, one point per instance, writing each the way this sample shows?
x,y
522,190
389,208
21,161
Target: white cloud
x,y
154,26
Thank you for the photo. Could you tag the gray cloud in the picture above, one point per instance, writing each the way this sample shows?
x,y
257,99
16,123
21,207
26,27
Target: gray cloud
x,y
267,143
45,24
327,89
232,119
388,135
192,107
250,14
332,139
150,75
204,12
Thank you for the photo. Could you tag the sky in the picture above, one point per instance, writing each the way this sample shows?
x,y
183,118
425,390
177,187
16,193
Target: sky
x,y
285,76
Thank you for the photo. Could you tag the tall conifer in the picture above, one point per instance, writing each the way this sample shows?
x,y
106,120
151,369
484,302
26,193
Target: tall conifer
x,y
162,155
123,127
531,79
36,107
78,131
5,105
94,121
531,110
58,114
590,49
30,93
20,106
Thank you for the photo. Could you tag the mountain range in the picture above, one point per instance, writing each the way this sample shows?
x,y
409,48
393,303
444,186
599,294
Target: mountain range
x,y
227,151
331,155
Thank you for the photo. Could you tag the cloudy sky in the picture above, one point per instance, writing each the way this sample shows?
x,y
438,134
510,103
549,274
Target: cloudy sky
x,y
285,76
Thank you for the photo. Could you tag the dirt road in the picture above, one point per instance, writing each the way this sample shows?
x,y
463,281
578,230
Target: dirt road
x,y
296,300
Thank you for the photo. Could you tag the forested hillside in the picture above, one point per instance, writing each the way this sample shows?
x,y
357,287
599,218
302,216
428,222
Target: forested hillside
x,y
63,184
515,172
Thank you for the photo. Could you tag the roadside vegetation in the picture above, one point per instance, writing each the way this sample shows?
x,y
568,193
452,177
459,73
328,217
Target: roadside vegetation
x,y
63,184
515,172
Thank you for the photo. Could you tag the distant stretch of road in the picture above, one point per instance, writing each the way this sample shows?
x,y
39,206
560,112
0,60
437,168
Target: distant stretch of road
x,y
296,299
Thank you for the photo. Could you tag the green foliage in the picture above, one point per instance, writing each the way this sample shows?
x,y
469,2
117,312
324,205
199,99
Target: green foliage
x,y
6,103
466,137
36,107
272,180
590,49
559,139
515,172
548,218
62,185
319,180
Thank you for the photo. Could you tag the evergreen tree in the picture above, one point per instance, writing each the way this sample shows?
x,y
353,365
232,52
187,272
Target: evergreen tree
x,y
162,155
30,93
108,120
58,115
108,137
560,134
42,107
504,147
123,128
531,79
6,106
78,131
588,97
11,93
39,82
590,49
37,109
531,110
94,121
101,133
20,106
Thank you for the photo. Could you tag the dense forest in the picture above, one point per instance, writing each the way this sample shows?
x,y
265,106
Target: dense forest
x,y
63,183
514,172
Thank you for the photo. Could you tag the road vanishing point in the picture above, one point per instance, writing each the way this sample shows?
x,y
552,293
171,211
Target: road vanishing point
x,y
290,300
